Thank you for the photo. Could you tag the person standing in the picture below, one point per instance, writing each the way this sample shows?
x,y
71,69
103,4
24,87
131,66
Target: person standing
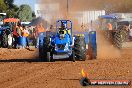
x,y
40,33
109,26
109,31
15,35
19,31
25,33
36,35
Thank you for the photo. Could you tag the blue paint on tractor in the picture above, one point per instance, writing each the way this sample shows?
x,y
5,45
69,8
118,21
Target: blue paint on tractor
x,y
60,44
63,44
92,37
92,41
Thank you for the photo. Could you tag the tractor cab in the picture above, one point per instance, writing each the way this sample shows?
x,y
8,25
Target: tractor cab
x,y
62,31
63,36
64,27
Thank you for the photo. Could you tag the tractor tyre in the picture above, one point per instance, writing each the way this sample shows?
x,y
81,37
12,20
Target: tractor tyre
x,y
48,58
80,48
47,42
41,54
73,56
44,48
120,37
47,50
5,40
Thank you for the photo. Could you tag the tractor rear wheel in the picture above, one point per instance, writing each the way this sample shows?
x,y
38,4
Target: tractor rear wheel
x,y
80,48
47,49
48,58
120,37
73,56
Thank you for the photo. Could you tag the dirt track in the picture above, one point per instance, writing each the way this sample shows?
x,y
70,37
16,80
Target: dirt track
x,y
21,69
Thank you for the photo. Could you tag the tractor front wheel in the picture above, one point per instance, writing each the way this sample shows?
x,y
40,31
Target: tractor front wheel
x,y
73,56
48,57
80,48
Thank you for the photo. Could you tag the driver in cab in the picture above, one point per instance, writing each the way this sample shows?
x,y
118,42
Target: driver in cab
x,y
62,31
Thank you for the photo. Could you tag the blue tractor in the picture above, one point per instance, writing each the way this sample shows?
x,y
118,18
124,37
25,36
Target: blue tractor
x,y
63,44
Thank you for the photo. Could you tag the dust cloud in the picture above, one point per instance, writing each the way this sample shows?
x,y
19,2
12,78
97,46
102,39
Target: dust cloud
x,y
68,9
105,49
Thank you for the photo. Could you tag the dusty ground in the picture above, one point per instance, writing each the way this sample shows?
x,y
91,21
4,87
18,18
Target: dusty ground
x,y
21,69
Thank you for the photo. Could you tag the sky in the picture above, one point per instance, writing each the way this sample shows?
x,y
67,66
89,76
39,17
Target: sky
x,y
29,2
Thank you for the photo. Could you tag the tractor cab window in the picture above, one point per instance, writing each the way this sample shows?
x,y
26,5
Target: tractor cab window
x,y
61,32
64,28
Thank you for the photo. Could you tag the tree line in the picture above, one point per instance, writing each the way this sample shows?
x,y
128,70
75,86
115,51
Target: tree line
x,y
23,12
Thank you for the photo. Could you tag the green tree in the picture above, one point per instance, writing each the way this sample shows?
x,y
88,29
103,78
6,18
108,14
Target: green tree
x,y
9,3
25,13
3,6
12,12
11,8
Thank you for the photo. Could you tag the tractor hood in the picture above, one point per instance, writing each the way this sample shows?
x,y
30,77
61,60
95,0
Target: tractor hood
x,y
62,41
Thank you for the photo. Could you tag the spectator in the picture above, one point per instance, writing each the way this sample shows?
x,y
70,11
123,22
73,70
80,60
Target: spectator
x,y
25,33
39,32
109,26
51,27
19,30
15,35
